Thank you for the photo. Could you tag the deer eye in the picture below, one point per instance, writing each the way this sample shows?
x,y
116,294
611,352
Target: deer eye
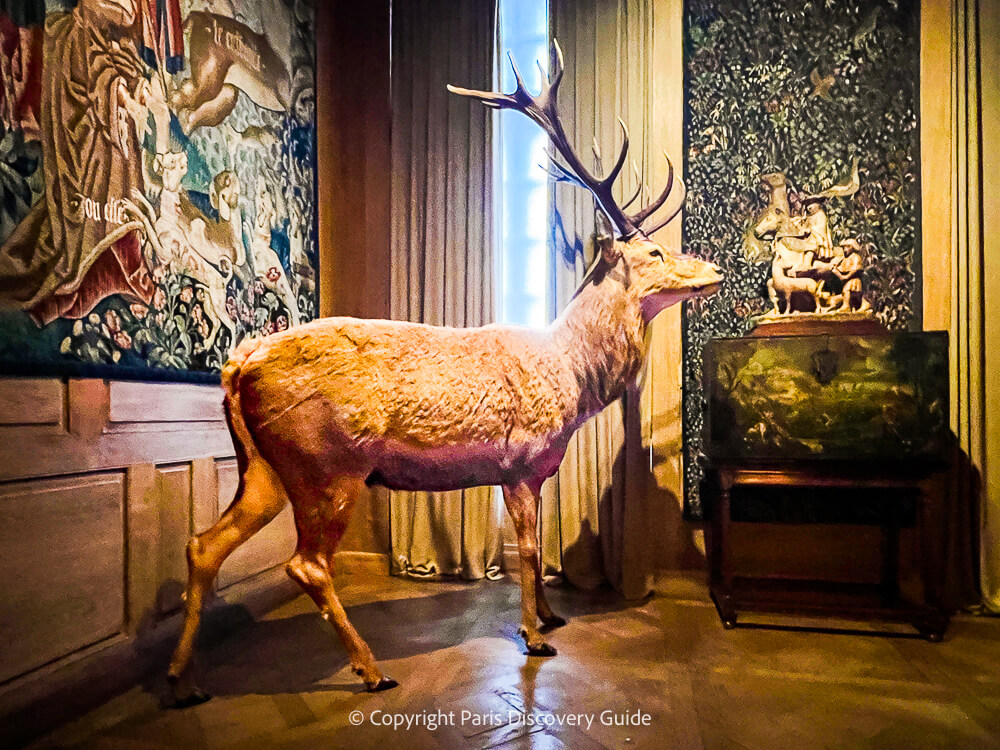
x,y
656,254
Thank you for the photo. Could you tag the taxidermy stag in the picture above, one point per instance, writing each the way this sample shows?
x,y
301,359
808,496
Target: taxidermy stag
x,y
323,408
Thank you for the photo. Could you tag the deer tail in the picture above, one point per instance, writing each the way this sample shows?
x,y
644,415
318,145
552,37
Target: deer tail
x,y
242,439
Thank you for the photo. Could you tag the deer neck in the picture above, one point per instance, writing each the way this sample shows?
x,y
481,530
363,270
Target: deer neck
x,y
601,335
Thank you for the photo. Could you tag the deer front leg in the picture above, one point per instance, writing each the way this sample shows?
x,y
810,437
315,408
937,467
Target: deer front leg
x,y
522,504
545,613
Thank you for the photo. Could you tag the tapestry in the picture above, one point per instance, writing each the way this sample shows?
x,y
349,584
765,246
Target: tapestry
x,y
157,181
800,110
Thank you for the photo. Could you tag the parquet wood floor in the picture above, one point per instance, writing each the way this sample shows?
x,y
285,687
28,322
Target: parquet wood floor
x,y
284,682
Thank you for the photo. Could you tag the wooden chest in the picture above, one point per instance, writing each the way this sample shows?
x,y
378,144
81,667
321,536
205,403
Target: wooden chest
x,y
864,398
829,428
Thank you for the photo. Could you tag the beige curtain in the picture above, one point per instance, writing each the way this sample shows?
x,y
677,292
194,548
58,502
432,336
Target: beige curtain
x,y
442,246
989,65
975,335
971,262
586,534
960,107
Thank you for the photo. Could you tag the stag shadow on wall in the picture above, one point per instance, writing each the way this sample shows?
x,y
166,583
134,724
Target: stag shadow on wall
x,y
677,548
667,537
665,540
672,537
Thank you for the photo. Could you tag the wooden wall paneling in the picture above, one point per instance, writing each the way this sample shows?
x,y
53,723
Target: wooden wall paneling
x,y
174,498
936,155
52,427
353,144
89,404
989,66
354,147
24,455
377,161
62,567
204,493
326,153
153,403
676,543
142,524
25,402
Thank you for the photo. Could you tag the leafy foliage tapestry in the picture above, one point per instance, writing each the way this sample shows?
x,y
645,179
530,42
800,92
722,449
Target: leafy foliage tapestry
x,y
157,166
804,88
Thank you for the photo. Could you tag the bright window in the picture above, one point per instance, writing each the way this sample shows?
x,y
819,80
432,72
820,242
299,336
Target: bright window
x,y
521,196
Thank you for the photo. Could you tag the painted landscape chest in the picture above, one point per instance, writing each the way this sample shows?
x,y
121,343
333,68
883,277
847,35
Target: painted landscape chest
x,y
827,397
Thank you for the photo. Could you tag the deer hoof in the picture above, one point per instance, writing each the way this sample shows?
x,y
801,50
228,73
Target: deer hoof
x,y
386,683
195,698
183,694
541,649
553,621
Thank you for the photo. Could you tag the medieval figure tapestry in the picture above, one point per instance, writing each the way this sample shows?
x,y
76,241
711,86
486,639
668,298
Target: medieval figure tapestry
x,y
157,171
802,167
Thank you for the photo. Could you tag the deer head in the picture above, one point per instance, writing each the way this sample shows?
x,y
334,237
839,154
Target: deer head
x,y
657,277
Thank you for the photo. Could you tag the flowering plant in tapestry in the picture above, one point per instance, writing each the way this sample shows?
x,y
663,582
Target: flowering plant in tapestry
x,y
804,88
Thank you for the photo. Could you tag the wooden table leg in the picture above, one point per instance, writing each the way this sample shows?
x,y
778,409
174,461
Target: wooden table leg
x,y
932,560
721,521
889,581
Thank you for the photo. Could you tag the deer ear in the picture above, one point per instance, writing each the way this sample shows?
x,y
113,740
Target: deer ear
x,y
605,244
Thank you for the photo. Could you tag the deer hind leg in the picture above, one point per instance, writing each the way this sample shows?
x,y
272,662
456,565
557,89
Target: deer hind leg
x,y
321,519
522,504
258,500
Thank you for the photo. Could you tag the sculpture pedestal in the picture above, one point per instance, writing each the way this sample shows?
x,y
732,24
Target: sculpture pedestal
x,y
811,324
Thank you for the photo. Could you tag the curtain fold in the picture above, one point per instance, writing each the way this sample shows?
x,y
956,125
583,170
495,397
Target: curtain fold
x,y
585,532
989,65
973,252
442,246
975,256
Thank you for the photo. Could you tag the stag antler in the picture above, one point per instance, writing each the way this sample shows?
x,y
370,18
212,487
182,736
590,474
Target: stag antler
x,y
542,109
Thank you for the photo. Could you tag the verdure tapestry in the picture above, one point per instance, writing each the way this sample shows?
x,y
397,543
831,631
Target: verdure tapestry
x,y
157,171
802,113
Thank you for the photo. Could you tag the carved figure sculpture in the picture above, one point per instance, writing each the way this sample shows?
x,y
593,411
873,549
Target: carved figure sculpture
x,y
323,408
809,273
785,282
775,220
847,266
815,220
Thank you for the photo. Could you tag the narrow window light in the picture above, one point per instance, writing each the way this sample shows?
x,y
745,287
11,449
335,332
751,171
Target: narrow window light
x,y
520,189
